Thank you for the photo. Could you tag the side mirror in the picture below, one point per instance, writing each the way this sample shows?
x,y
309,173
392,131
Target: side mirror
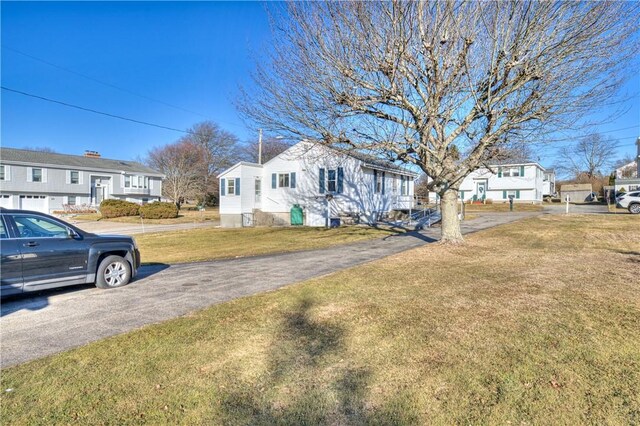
x,y
71,233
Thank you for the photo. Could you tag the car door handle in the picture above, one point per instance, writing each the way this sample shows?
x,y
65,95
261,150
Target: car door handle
x,y
32,244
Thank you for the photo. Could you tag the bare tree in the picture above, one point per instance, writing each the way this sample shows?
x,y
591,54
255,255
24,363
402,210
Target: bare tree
x,y
183,164
443,85
592,156
220,150
271,147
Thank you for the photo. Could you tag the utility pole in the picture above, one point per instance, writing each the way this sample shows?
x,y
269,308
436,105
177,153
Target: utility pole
x,y
260,146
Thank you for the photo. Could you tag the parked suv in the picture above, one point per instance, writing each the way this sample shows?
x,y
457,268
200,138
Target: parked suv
x,y
39,252
629,201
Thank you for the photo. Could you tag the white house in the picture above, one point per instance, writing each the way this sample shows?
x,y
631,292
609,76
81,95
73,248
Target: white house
x,y
523,181
549,183
324,182
47,182
632,181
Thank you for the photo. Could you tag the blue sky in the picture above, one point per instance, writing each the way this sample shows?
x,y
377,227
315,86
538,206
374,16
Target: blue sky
x,y
191,55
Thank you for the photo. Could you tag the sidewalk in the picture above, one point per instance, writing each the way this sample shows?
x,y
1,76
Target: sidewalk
x,y
55,321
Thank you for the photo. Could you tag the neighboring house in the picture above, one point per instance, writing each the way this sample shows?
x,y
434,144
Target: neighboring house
x,y
549,183
46,182
632,182
326,183
576,192
522,181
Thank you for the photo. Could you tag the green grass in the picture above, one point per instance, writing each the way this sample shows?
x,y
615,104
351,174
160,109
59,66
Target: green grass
x,y
533,322
217,243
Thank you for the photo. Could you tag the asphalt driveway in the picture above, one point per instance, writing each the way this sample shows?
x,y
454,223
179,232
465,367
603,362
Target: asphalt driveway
x,y
54,321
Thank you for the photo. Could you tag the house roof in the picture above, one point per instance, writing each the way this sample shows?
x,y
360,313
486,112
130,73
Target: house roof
x,y
576,187
24,156
238,164
376,162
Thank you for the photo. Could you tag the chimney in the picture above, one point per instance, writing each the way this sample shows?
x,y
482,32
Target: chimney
x,y
91,154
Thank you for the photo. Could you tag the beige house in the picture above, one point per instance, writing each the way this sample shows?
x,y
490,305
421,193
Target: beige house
x,y
576,192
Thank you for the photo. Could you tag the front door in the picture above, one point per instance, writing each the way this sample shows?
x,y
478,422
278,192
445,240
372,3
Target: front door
x,y
49,256
481,191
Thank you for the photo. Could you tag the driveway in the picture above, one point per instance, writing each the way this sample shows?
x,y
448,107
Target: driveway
x,y
54,321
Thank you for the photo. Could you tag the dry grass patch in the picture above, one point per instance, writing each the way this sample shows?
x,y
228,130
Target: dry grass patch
x,y
503,207
533,322
216,243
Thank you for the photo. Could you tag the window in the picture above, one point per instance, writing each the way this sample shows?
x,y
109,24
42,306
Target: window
x,y
378,181
39,227
511,194
3,231
331,180
1,172
258,188
283,180
71,200
394,186
74,177
404,185
140,182
231,187
36,175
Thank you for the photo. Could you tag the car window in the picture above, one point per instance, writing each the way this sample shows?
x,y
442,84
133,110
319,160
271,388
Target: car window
x,y
38,227
3,231
635,194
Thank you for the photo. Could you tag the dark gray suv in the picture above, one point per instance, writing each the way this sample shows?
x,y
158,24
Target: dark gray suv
x,y
39,252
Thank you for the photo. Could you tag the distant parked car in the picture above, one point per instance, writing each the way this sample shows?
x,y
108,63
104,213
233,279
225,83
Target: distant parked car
x,y
629,201
39,252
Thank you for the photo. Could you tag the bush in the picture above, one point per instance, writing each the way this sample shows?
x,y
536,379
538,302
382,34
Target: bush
x,y
159,210
118,208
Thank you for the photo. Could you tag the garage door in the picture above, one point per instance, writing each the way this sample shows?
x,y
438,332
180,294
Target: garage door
x,y
37,203
6,202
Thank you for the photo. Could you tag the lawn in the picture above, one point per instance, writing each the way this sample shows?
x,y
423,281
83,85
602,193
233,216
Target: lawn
x,y
217,243
184,216
533,322
503,207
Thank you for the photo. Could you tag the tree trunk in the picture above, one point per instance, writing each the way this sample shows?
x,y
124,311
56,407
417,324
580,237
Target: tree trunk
x,y
450,223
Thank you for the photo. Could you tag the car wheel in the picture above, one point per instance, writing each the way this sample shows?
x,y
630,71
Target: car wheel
x,y
634,208
113,272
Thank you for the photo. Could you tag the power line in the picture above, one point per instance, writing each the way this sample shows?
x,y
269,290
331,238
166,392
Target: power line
x,y
104,83
95,111
113,86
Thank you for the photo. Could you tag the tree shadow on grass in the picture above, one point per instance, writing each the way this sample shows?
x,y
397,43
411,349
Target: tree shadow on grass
x,y
310,381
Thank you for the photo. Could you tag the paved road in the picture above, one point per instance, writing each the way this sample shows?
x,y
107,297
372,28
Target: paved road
x,y
55,321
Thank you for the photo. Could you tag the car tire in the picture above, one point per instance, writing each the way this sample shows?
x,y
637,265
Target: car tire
x,y
634,208
114,271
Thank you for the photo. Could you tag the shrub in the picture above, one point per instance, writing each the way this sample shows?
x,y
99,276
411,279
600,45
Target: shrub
x,y
159,210
118,208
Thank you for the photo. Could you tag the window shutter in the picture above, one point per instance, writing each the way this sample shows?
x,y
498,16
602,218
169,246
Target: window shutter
x,y
340,180
44,176
292,180
504,194
222,187
375,180
499,172
521,170
68,176
383,183
237,186
517,193
274,180
462,195
321,181
29,174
